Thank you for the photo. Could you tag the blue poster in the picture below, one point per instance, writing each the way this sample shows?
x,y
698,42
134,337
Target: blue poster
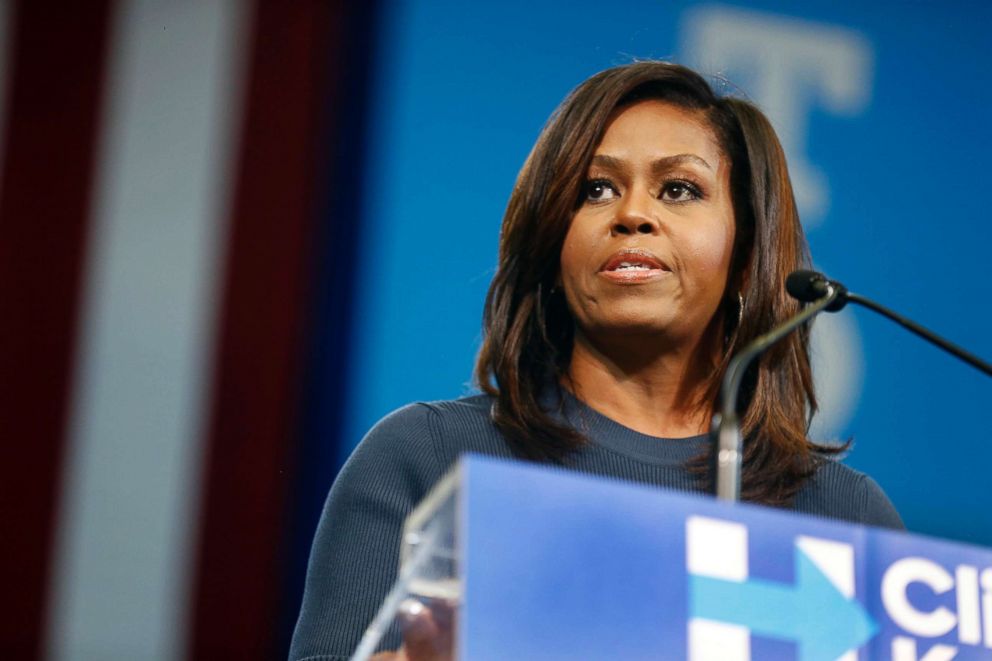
x,y
563,566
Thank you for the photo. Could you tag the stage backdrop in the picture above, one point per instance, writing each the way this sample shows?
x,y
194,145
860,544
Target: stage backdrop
x,y
883,109
235,233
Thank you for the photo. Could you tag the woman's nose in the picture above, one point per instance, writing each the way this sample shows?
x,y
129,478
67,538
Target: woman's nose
x,y
635,215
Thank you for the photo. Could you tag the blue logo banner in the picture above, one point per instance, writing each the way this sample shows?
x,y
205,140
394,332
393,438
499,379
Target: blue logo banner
x,y
561,565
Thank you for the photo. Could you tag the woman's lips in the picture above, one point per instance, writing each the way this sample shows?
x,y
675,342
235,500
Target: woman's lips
x,y
633,266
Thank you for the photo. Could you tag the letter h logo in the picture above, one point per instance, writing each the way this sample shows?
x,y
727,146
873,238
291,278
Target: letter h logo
x,y
727,606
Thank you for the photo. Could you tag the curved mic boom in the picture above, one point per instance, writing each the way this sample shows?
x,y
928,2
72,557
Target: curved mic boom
x,y
808,286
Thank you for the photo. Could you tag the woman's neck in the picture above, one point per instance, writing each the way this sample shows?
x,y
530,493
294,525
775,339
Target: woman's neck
x,y
658,393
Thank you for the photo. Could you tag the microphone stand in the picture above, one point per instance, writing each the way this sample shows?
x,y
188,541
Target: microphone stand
x,y
725,431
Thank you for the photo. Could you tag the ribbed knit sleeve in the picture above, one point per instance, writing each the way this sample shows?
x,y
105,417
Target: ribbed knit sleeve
x,y
355,552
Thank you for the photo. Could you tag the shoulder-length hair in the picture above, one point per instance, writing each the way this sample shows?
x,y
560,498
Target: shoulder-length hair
x,y
528,330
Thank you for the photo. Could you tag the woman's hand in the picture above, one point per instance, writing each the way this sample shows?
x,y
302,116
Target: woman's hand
x,y
427,633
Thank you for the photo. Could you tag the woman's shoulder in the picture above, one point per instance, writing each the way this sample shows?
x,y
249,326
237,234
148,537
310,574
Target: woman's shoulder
x,y
463,410
406,452
464,425
431,421
838,491
438,431
422,420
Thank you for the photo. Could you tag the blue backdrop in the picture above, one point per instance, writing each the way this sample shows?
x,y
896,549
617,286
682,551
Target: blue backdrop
x,y
883,110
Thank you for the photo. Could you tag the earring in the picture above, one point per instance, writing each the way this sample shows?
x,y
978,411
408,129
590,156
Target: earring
x,y
740,309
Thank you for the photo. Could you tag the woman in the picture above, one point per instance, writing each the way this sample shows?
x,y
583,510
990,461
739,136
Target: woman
x,y
646,241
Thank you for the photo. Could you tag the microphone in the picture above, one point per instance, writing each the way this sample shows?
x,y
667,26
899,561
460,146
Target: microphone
x,y
725,432
808,286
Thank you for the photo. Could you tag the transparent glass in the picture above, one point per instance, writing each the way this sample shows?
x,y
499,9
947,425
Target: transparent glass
x,y
424,600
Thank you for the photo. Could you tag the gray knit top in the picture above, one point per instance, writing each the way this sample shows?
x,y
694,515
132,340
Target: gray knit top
x,y
355,552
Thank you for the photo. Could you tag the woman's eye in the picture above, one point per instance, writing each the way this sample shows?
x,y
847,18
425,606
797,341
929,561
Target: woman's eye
x,y
680,191
598,190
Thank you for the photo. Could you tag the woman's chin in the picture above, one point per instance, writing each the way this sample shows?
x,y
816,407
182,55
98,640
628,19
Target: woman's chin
x,y
633,328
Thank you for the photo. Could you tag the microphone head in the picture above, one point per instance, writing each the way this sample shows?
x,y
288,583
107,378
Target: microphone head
x,y
808,286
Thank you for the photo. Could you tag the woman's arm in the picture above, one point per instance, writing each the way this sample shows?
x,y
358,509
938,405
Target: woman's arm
x,y
355,551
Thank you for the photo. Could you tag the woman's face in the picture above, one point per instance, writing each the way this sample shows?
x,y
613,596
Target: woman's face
x,y
649,249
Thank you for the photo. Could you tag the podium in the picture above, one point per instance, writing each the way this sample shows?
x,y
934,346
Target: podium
x,y
520,561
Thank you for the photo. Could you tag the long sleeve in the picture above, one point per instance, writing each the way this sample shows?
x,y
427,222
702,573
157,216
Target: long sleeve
x,y
355,552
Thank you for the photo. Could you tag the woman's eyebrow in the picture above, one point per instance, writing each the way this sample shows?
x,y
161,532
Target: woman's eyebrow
x,y
659,165
610,162
668,162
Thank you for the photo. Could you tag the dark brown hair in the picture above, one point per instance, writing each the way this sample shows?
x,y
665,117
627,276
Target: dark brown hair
x,y
528,331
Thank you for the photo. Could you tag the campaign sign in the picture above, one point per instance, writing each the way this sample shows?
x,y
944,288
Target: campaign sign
x,y
558,565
